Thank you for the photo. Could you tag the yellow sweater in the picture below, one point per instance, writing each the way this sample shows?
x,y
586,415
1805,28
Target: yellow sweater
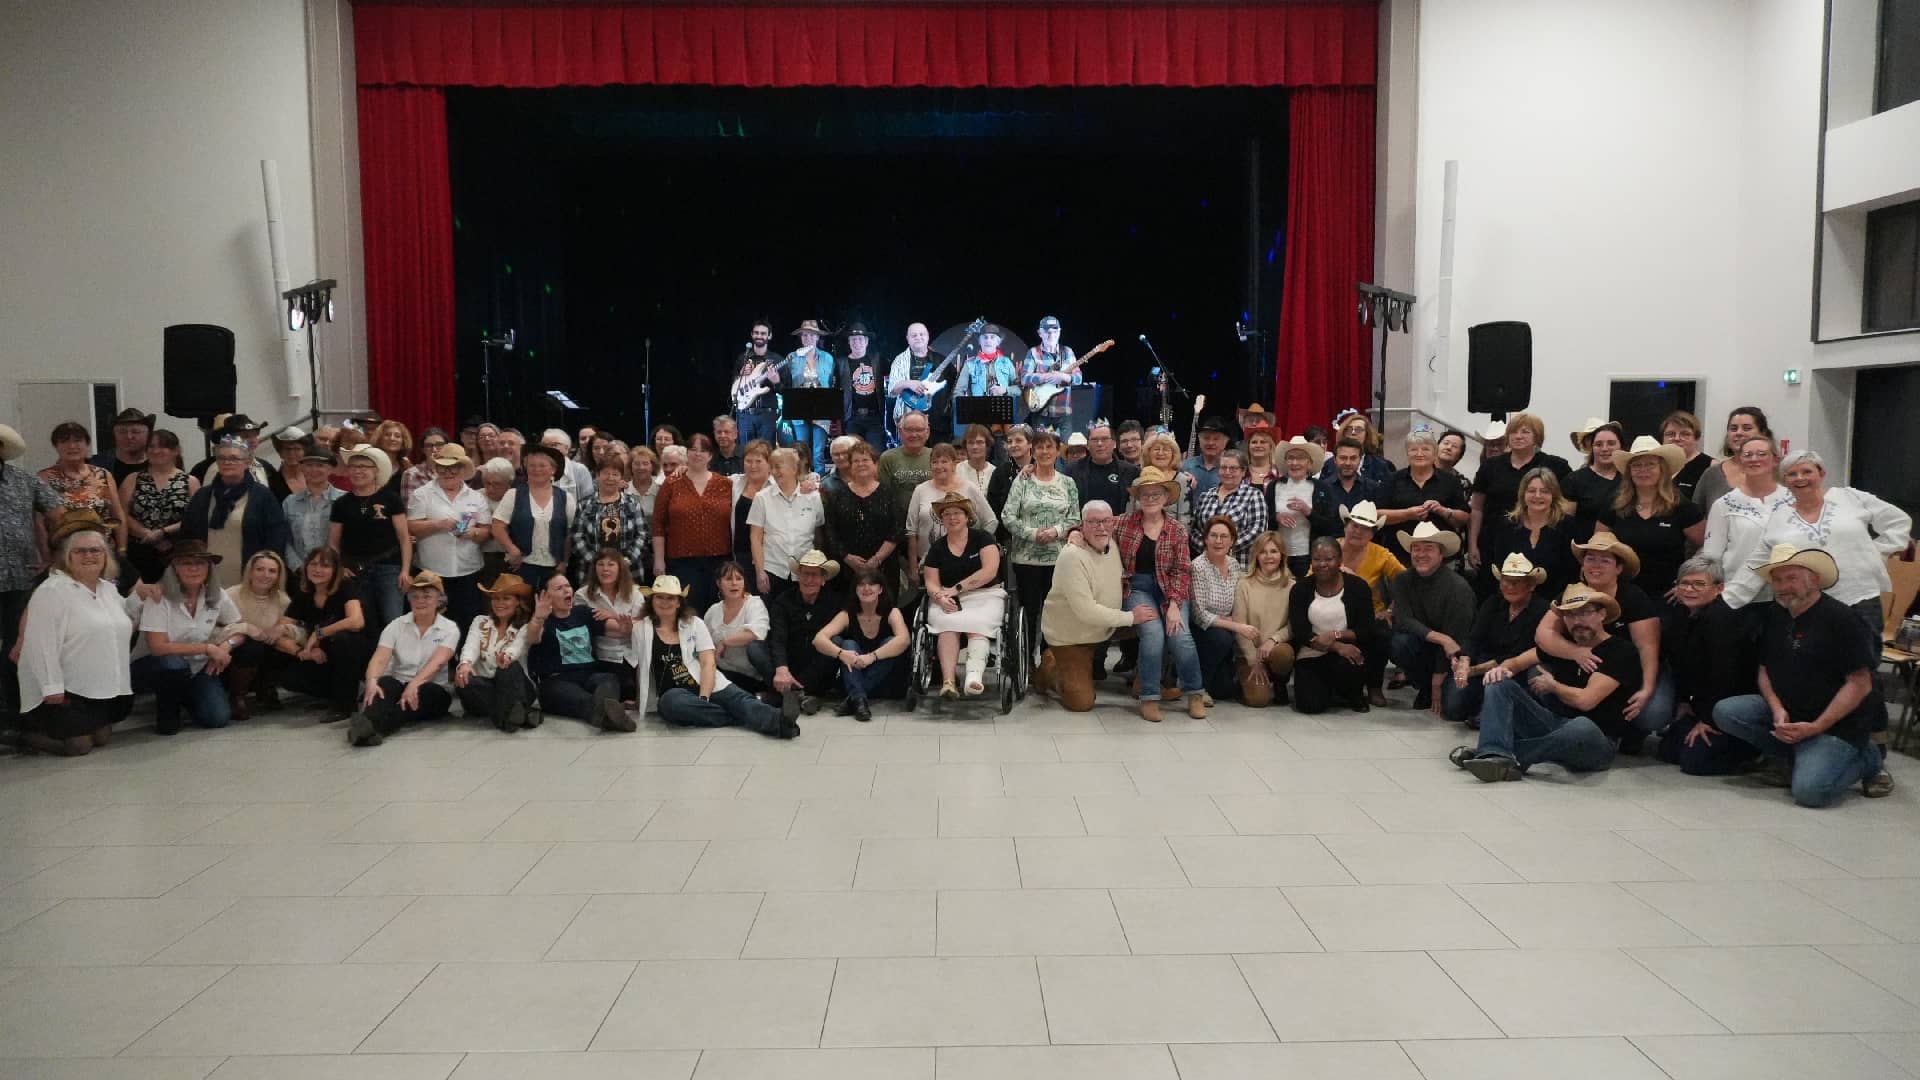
x,y
1263,603
1377,567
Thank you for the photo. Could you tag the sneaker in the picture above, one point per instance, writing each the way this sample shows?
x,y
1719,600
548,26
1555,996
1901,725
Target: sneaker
x,y
1460,755
1493,768
790,706
1877,786
861,712
1150,711
360,731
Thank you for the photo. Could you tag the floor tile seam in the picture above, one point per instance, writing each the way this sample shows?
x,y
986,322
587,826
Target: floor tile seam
x,y
1895,994
1298,914
706,846
747,938
1454,887
1633,955
70,854
1836,914
401,910
1442,968
826,1008
1272,1028
151,1028
633,969
1625,835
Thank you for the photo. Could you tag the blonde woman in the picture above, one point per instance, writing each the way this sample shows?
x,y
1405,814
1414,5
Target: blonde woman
x,y
1496,486
1261,601
782,522
1163,453
262,600
1539,524
74,680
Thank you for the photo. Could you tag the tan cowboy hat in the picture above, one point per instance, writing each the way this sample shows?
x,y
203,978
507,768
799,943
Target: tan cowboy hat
x,y
1519,566
1814,559
1648,446
1362,513
1154,476
11,444
453,456
426,579
1608,544
667,585
817,559
951,500
382,464
1584,433
1578,596
1494,431
1428,533
74,521
509,585
1254,418
1316,454
809,326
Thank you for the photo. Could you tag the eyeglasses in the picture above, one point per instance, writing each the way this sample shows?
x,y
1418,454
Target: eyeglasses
x,y
1692,584
87,551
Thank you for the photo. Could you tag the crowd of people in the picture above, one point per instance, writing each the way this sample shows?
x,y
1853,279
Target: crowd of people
x,y
1724,614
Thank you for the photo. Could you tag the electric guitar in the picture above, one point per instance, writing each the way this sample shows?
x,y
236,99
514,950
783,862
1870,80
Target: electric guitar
x,y
910,401
749,388
1193,436
1038,396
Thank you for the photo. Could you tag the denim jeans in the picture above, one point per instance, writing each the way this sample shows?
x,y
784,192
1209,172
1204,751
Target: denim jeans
x,y
1419,659
1462,703
570,693
1154,640
860,683
755,424
175,686
1823,766
1657,713
1513,723
380,589
1216,647
730,706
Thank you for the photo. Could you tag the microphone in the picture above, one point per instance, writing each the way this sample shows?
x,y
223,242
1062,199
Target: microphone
x,y
1150,348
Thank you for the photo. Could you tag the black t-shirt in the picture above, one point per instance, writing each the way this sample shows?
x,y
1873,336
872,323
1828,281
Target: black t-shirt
x,y
727,464
1496,636
866,383
366,527
670,668
1660,542
1635,605
1688,478
1400,492
1808,659
1144,559
1592,494
111,462
566,642
1498,482
1620,661
955,568
302,609
1713,652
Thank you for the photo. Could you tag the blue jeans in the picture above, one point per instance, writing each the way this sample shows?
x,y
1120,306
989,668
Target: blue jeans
x,y
869,427
1823,766
754,424
1513,723
1216,648
175,686
1461,703
696,575
730,706
380,589
860,683
1658,711
1154,640
802,432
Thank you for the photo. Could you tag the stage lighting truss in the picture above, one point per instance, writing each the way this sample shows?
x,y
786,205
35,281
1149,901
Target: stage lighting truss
x,y
1385,308
309,303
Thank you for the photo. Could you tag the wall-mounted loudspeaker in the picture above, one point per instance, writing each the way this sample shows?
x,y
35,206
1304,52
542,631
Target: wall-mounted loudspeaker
x,y
199,376
1499,367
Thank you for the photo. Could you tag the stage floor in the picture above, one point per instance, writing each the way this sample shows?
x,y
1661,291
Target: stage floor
x,y
965,896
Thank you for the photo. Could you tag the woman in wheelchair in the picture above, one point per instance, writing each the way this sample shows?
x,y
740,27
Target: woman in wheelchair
x,y
866,638
964,595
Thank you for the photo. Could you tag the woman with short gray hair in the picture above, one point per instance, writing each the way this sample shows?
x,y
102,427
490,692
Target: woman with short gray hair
x,y
1857,528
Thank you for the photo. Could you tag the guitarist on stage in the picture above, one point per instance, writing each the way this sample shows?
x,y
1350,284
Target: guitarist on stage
x,y
1050,363
910,367
755,405
990,371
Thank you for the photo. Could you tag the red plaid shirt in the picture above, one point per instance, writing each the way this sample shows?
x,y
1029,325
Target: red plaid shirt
x,y
1173,567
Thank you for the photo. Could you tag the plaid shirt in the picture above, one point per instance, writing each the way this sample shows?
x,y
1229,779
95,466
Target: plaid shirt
x,y
1039,363
1214,595
1173,567
618,524
1247,506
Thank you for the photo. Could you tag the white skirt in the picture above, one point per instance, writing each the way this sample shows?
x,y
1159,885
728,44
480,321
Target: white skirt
x,y
980,612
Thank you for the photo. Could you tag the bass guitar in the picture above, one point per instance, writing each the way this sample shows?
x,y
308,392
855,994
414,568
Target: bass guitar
x,y
934,380
1038,396
749,388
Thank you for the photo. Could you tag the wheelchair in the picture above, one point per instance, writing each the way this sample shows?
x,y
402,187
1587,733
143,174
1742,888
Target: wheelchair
x,y
1009,653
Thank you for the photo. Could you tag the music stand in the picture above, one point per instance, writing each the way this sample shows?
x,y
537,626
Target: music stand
x,y
986,410
810,403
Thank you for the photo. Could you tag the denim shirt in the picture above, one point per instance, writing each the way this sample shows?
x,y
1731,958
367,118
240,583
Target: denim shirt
x,y
308,518
976,378
823,368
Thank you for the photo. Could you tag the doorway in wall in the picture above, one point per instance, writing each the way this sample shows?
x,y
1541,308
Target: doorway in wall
x,y
1640,404
1885,461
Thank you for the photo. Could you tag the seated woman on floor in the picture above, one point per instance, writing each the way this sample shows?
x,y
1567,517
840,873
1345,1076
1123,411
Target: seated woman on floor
x,y
74,681
1335,635
187,638
407,679
492,680
677,662
866,639
331,645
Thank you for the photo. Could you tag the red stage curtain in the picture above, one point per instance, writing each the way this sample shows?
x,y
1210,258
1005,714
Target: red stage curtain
x,y
406,206
1324,362
869,45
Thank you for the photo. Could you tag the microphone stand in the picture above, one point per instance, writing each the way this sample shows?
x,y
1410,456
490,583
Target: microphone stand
x,y
646,390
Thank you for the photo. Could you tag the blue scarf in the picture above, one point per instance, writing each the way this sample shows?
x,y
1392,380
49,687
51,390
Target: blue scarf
x,y
224,498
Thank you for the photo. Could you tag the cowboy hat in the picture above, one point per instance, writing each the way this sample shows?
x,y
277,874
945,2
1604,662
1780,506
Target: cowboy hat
x,y
808,326
1316,454
192,549
1582,434
11,444
292,433
817,559
667,585
1078,438
1253,418
1362,513
129,416
856,328
1428,533
509,585
1518,566
1213,423
1814,559
426,579
382,464
1606,543
1577,596
1494,431
313,453
952,500
1154,476
453,456
239,424
74,521
1648,446
559,459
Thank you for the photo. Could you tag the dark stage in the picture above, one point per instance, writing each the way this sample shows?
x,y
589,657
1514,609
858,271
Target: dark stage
x,y
590,221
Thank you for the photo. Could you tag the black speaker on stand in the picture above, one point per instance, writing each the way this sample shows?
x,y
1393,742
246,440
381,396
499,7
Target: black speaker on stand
x,y
1499,368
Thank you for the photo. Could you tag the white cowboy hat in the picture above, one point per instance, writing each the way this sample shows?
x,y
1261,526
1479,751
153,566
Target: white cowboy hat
x,y
1428,533
1316,454
1495,430
1814,559
1585,431
382,464
1518,566
11,444
817,560
668,585
1363,512
1648,446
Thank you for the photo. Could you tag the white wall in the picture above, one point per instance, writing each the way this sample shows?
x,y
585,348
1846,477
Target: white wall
x,y
130,193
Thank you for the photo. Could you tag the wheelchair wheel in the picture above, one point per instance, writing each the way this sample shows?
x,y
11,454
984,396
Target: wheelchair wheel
x,y
921,677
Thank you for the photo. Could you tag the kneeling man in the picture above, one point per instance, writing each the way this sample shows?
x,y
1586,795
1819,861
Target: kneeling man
x,y
1083,610
1562,714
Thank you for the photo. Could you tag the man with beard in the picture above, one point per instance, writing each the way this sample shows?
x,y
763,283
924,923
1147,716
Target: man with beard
x,y
1052,364
908,376
755,404
1345,491
864,400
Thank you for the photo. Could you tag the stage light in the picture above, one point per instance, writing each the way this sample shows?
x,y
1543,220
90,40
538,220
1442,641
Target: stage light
x,y
296,319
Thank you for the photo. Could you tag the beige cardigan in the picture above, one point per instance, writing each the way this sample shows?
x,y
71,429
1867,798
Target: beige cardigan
x,y
1264,605
1084,605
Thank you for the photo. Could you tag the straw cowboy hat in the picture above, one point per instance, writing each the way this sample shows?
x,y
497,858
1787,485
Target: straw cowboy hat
x,y
1254,418
426,579
817,559
1578,596
1316,454
1814,559
809,326
952,500
1518,567
509,585
1584,433
453,456
1362,513
382,464
11,444
666,585
1608,544
1494,431
1428,533
74,521
1648,446
192,549
1154,476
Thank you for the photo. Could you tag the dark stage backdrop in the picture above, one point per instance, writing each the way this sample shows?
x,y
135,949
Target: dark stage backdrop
x,y
592,220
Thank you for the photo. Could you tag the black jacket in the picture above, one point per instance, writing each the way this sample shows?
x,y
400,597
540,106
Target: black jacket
x,y
1358,599
263,524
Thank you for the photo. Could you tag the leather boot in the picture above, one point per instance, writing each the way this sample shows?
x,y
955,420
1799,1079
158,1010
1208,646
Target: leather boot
x,y
239,685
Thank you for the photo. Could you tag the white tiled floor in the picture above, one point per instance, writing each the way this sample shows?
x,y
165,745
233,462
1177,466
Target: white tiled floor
x,y
959,897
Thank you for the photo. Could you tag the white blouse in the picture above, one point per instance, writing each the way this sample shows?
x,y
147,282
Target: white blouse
x,y
1736,523
980,478
1298,537
446,553
753,616
788,525
1326,614
1858,529
413,649
611,647
207,622
486,647
75,643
